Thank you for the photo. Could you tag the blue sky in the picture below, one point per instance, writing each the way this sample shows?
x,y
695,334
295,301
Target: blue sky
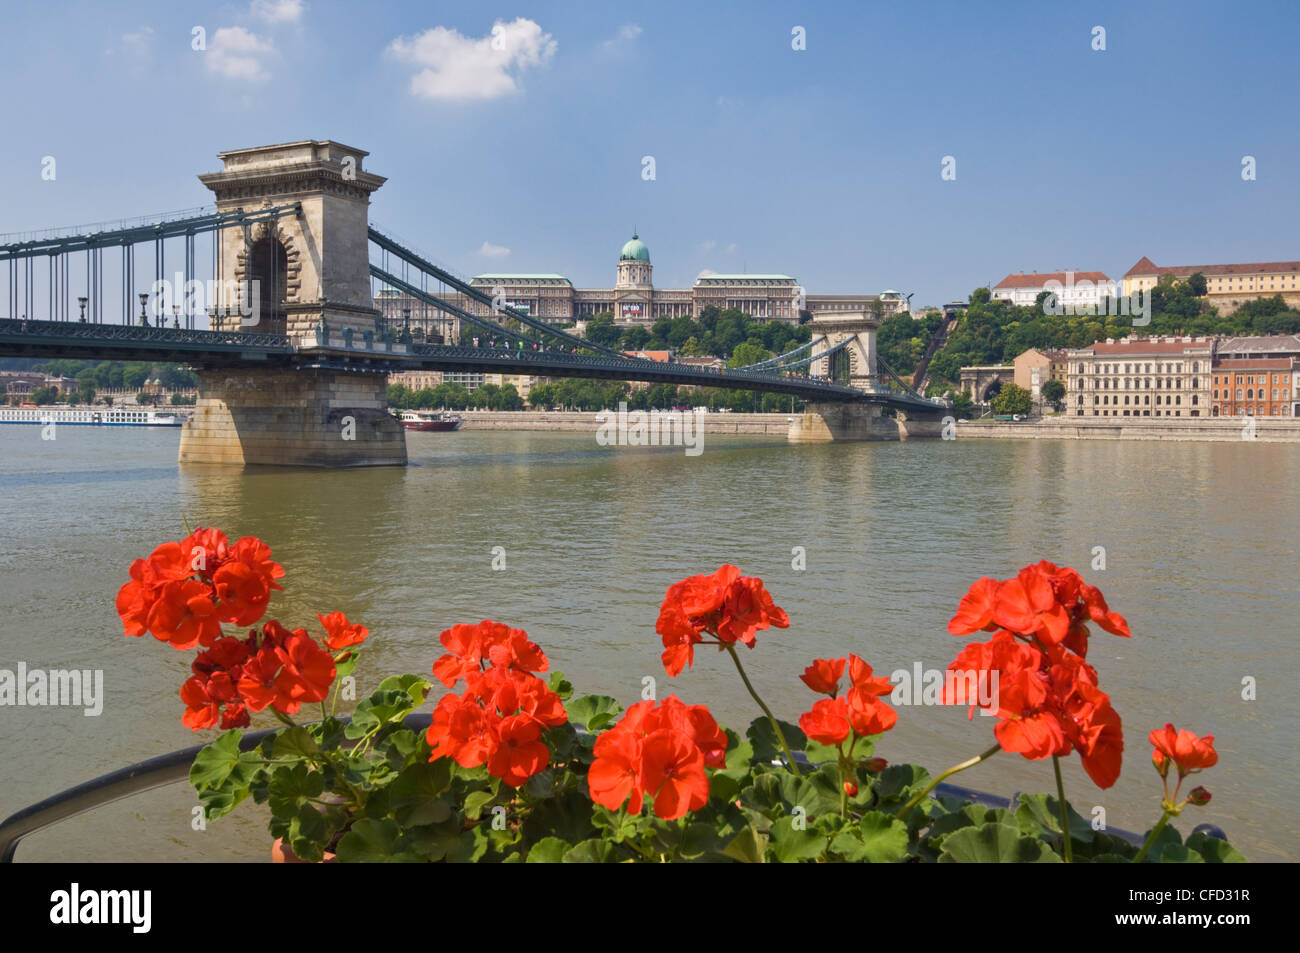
x,y
822,163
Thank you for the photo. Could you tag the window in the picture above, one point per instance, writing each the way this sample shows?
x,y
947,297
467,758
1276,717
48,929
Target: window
x,y
1238,393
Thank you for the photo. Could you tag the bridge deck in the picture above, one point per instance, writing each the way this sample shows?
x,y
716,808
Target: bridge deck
x,y
60,339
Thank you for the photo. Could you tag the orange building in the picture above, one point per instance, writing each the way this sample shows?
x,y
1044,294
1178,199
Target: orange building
x,y
1256,387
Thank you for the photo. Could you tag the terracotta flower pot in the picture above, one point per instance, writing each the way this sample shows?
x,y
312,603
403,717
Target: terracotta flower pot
x,y
282,853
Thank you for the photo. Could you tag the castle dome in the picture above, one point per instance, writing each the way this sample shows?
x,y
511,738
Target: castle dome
x,y
634,250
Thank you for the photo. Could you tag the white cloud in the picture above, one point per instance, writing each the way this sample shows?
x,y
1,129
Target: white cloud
x,y
731,249
136,45
488,250
705,273
708,246
277,11
455,67
626,34
238,54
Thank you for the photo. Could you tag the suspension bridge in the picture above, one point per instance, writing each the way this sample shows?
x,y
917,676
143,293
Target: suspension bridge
x,y
271,298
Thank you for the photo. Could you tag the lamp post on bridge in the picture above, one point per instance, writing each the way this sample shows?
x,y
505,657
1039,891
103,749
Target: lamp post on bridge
x,y
82,302
144,319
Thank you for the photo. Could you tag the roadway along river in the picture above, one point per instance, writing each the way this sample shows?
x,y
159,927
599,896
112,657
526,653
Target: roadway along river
x,y
1200,543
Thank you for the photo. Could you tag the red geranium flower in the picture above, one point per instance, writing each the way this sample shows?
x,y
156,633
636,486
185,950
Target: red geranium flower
x,y
341,633
518,754
828,721
1183,748
307,670
657,754
724,604
823,676
672,773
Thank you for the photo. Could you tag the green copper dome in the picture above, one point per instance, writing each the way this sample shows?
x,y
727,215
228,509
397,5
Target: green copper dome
x,y
634,250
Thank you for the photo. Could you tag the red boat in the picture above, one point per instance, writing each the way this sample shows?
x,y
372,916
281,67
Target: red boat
x,y
424,420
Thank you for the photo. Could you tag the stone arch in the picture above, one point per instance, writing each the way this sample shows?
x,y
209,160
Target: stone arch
x,y
991,388
271,256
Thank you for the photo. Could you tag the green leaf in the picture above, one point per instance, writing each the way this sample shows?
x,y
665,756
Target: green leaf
x,y
292,786
548,850
214,763
415,686
1214,849
476,801
748,847
372,841
1168,837
767,748
413,796
592,851
817,793
1038,813
995,844
793,841
698,839
593,712
309,832
383,707
739,755
723,787
1178,854
295,742
899,783
877,839
561,686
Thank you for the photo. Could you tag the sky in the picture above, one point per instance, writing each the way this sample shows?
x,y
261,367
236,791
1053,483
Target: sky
x,y
515,136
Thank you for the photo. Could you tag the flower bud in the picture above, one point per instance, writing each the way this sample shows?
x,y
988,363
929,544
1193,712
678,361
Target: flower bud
x,y
1198,796
877,765
850,789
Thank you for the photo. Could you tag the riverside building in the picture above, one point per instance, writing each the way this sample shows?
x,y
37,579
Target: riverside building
x,y
1141,377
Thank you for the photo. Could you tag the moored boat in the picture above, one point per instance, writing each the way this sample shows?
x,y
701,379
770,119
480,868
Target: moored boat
x,y
429,421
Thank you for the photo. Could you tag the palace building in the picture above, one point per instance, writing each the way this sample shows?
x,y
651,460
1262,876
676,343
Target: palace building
x,y
1227,287
634,299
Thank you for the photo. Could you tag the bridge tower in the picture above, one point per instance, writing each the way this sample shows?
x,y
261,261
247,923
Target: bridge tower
x,y
307,277
855,366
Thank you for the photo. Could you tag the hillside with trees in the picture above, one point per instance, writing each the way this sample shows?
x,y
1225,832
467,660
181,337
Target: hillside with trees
x,y
994,332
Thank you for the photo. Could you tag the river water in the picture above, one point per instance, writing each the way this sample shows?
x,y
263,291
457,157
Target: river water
x,y
1200,544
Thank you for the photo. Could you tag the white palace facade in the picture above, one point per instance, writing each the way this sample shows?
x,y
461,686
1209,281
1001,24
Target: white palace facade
x,y
634,300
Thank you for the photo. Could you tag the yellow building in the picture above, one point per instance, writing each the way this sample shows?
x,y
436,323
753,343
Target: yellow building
x,y
1228,287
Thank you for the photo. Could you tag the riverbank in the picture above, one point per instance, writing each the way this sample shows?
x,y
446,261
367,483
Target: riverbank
x,y
776,425
1266,429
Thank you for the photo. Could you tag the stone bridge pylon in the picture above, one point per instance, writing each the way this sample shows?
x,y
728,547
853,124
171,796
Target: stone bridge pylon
x,y
306,276
855,366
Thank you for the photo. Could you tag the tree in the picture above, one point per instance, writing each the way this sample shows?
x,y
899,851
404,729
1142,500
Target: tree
x,y
1013,399
134,376
43,395
634,339
1197,285
601,330
507,398
746,353
1054,394
962,406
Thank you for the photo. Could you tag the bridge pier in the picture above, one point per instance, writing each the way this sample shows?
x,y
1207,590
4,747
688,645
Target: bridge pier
x,y
307,418
824,422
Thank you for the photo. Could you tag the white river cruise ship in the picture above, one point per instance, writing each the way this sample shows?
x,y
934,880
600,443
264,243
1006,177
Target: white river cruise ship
x,y
88,417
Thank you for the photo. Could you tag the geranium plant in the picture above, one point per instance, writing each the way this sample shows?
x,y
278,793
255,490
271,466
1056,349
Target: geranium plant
x,y
510,766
